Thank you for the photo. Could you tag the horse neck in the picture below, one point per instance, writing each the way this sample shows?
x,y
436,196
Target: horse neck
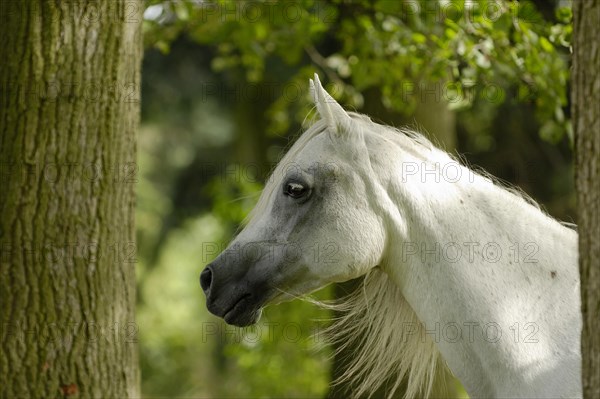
x,y
492,278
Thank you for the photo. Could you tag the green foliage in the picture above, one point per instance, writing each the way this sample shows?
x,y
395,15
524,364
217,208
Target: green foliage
x,y
174,340
233,197
285,355
476,50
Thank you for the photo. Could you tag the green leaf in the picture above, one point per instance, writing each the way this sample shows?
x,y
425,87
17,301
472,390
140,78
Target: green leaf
x,y
546,45
564,14
419,38
551,131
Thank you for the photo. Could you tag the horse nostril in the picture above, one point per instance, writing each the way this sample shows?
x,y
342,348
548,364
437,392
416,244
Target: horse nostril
x,y
206,279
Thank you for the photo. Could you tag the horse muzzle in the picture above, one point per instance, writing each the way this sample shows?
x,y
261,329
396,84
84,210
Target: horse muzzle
x,y
238,301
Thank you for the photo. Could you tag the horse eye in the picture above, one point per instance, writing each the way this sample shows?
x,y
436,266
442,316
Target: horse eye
x,y
295,190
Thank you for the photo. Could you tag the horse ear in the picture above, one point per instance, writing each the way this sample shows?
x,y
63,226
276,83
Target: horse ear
x,y
331,112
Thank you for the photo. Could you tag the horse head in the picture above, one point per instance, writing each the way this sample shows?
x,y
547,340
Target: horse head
x,y
314,222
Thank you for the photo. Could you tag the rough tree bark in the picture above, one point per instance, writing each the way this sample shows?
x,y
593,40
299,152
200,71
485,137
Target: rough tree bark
x,y
585,96
69,81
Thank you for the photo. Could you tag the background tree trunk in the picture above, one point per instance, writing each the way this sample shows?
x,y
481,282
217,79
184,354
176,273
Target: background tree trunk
x,y
586,118
69,82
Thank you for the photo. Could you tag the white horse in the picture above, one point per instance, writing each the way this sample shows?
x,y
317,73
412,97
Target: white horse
x,y
460,271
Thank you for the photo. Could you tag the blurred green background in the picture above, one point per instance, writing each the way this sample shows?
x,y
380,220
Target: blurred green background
x,y
225,92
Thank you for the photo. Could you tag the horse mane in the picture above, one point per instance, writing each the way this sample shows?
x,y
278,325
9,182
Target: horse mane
x,y
390,344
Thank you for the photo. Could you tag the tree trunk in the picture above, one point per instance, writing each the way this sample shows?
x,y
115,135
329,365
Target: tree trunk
x,y
69,89
586,118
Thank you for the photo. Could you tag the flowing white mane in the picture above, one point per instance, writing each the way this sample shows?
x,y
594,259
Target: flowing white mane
x,y
388,339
